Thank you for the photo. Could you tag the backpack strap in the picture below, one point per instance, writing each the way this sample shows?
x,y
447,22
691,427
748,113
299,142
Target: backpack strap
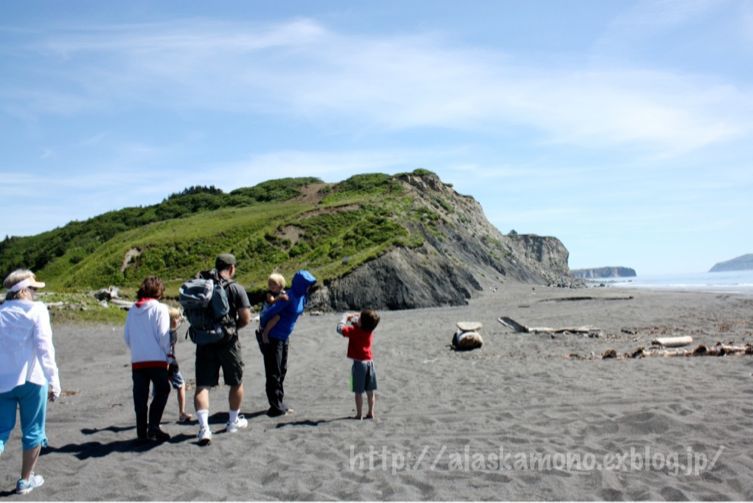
x,y
227,322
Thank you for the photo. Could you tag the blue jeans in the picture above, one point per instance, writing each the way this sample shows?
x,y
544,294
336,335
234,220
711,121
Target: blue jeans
x,y
31,399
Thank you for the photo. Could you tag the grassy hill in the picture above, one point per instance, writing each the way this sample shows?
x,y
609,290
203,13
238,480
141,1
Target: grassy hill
x,y
282,225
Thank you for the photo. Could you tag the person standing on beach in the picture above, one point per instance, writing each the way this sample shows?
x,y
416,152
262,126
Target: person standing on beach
x,y
173,369
28,372
359,329
225,354
147,335
275,349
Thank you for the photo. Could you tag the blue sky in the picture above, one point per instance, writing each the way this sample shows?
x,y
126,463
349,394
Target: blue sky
x,y
623,128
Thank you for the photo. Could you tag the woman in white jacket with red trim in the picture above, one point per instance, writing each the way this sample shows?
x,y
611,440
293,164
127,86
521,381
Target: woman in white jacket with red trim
x,y
147,335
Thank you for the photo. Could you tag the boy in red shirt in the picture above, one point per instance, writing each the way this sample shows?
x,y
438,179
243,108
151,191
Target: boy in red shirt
x,y
359,329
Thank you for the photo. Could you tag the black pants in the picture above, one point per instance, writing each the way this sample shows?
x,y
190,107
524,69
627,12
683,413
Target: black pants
x,y
275,354
141,379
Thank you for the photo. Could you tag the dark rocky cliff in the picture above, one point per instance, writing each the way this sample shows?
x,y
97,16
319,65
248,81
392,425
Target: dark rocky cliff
x,y
741,263
462,254
604,272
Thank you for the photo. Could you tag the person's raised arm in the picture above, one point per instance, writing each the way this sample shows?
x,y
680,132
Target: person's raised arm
x,y
347,317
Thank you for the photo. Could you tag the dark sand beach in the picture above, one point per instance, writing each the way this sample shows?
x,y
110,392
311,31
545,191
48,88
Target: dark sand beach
x,y
451,426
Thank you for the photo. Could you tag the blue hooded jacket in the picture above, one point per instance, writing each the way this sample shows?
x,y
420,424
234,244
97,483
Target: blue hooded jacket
x,y
291,309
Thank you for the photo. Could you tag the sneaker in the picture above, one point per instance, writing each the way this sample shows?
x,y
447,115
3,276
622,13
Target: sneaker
x,y
204,436
26,486
241,422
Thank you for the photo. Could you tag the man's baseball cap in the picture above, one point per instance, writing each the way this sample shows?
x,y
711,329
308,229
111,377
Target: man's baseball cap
x,y
224,261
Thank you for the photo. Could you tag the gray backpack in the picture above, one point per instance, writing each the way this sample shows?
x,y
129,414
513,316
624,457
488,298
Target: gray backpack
x,y
207,309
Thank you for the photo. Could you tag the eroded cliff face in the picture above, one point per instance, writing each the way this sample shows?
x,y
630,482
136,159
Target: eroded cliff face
x,y
462,254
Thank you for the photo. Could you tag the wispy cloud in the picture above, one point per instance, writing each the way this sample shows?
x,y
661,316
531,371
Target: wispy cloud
x,y
301,69
647,18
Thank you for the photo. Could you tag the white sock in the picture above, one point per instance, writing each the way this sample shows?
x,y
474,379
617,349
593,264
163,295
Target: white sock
x,y
203,417
233,415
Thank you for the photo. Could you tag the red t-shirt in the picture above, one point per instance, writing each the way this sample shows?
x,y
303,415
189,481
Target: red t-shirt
x,y
359,342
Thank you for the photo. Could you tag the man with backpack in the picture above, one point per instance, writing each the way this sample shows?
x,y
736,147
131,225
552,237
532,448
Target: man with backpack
x,y
225,353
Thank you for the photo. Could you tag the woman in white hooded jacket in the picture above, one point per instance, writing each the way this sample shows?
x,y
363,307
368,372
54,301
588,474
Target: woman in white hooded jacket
x,y
147,335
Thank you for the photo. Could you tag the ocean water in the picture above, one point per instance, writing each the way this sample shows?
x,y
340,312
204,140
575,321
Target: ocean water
x,y
727,282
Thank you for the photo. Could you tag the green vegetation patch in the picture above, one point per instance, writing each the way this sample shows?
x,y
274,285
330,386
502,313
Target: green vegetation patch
x,y
276,190
268,227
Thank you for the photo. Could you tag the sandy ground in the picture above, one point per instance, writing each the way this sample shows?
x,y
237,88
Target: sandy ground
x,y
513,420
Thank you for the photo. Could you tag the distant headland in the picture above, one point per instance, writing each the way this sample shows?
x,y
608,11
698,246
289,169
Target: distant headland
x,y
741,263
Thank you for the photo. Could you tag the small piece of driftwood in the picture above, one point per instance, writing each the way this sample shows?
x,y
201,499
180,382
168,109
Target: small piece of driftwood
x,y
517,327
123,304
673,342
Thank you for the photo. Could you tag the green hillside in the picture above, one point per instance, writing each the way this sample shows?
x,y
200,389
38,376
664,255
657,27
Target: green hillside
x,y
283,224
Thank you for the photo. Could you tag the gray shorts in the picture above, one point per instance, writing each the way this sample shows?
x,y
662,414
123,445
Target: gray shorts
x,y
363,376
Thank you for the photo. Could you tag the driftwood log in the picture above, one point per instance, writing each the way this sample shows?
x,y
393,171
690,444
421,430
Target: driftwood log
x,y
520,328
673,342
719,349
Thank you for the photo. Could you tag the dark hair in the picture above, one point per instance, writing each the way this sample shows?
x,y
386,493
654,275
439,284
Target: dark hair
x,y
369,319
152,287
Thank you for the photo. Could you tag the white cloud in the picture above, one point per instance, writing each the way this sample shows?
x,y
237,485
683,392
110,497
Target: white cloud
x,y
303,70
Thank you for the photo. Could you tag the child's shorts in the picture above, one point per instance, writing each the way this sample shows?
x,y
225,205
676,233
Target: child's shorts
x,y
176,379
363,376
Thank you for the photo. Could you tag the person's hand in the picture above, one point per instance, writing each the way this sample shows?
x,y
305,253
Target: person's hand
x,y
264,338
283,296
52,396
175,323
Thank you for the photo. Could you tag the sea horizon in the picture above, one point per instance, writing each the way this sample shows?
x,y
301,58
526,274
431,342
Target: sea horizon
x,y
717,282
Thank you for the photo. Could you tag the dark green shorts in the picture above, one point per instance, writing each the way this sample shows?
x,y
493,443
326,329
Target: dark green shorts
x,y
213,357
363,376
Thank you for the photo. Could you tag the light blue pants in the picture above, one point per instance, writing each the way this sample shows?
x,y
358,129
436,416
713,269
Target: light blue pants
x,y
31,400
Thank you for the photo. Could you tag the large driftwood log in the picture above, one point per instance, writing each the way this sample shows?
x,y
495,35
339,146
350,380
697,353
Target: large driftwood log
x,y
719,349
582,298
520,328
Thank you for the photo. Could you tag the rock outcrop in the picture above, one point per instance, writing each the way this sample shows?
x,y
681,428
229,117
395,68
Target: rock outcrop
x,y
604,272
741,263
462,254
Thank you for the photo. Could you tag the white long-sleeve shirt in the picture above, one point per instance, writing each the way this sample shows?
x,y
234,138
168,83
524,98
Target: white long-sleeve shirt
x,y
26,350
147,333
